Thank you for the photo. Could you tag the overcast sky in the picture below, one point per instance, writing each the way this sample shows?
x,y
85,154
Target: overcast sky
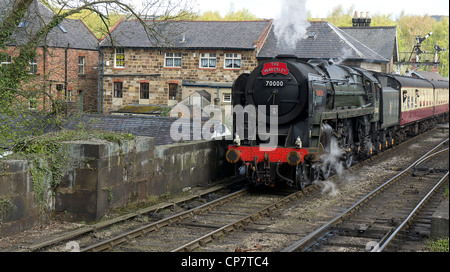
x,y
269,9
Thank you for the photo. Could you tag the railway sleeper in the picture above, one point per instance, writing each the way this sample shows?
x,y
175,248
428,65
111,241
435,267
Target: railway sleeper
x,y
357,232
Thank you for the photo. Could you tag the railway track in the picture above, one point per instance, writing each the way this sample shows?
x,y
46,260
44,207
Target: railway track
x,y
241,213
373,222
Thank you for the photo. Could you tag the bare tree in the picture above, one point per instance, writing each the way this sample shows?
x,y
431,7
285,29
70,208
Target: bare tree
x,y
14,76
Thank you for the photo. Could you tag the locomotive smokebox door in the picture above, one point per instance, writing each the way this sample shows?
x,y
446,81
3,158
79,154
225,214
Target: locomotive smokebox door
x,y
278,83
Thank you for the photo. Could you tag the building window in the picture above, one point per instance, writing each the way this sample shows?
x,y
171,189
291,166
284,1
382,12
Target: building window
x,y
81,65
119,58
118,89
173,91
232,61
69,95
208,60
5,58
145,90
227,97
32,65
22,24
59,87
173,60
32,103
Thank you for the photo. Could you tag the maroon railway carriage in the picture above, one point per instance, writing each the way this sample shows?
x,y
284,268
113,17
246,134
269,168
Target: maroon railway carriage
x,y
422,100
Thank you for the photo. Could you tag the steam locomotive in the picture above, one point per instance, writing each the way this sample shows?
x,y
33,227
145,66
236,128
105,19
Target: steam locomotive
x,y
298,121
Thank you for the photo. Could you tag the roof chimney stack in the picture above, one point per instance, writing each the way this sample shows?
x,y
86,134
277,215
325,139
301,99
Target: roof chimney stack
x,y
355,19
367,20
361,21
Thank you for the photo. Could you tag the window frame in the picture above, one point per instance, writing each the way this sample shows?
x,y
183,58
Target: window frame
x,y
116,60
234,57
144,91
226,100
173,91
208,57
173,58
33,66
118,93
7,60
81,65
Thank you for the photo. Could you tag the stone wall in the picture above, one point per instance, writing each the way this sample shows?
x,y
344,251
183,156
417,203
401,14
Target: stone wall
x,y
18,208
102,176
147,66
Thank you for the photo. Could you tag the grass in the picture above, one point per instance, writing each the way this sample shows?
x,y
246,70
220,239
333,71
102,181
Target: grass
x,y
438,245
46,142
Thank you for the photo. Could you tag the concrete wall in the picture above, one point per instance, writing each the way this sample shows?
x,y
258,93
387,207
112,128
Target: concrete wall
x,y
101,176
18,208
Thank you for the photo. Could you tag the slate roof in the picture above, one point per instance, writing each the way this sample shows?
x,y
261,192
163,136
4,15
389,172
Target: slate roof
x,y
150,126
328,42
428,75
189,34
382,40
70,32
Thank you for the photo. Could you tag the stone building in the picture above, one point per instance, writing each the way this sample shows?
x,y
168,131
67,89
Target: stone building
x,y
140,69
66,64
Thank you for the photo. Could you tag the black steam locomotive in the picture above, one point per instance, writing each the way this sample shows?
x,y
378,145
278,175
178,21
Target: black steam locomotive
x,y
324,116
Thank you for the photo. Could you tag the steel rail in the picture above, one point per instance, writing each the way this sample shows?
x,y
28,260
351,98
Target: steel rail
x,y
241,222
411,215
103,224
110,243
308,238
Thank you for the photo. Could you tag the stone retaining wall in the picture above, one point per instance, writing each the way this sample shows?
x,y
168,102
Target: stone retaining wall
x,y
102,175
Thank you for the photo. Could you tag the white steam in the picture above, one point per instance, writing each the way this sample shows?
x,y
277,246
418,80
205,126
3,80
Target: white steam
x,y
332,160
291,25
344,54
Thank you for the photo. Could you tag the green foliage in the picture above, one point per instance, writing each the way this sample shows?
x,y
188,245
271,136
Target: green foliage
x,y
95,23
408,28
240,15
6,205
339,17
439,245
49,157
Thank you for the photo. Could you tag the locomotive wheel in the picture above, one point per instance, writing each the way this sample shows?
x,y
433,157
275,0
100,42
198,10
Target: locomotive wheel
x,y
315,173
347,142
348,159
325,171
301,178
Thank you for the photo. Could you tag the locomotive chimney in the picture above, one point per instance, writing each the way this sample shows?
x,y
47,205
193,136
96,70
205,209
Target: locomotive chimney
x,y
287,57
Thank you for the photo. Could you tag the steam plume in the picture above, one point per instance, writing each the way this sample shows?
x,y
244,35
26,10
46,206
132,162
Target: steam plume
x,y
291,25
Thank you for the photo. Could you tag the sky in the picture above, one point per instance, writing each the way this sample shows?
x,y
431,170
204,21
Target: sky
x,y
270,9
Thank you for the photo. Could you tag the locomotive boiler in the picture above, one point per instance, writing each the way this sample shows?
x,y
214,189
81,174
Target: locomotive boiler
x,y
296,121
